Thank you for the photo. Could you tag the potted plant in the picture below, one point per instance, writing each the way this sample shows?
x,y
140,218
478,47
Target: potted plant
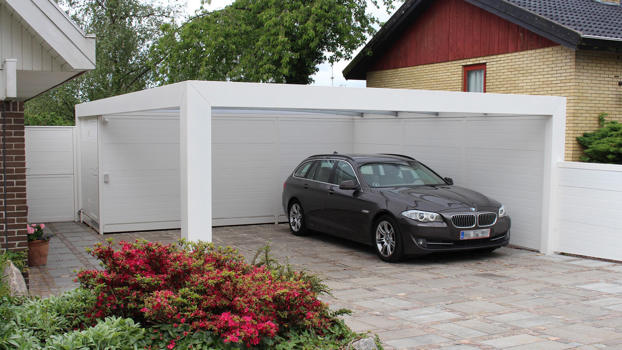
x,y
38,245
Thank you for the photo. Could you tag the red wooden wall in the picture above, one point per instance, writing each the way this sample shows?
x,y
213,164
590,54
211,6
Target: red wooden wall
x,y
452,30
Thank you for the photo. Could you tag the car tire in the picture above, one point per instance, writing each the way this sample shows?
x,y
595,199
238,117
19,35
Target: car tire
x,y
387,239
296,219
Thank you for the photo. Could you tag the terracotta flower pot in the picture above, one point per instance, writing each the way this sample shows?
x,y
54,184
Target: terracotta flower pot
x,y
38,252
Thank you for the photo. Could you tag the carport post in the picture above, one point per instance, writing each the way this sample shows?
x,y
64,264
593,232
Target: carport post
x,y
195,165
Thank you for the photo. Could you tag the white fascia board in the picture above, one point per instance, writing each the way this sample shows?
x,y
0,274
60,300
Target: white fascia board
x,y
283,96
168,96
58,31
305,97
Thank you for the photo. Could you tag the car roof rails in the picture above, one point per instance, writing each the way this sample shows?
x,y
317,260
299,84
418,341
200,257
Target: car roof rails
x,y
398,155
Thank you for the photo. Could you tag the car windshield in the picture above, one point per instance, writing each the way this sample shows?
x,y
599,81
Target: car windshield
x,y
399,174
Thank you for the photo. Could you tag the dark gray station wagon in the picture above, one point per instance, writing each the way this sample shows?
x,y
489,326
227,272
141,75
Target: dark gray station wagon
x,y
392,202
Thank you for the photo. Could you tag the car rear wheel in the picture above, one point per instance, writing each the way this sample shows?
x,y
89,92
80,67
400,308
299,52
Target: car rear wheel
x,y
388,240
296,218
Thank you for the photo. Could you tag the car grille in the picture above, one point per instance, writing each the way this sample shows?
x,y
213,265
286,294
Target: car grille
x,y
463,220
487,219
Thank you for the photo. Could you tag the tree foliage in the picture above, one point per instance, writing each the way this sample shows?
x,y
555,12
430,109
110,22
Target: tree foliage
x,y
603,145
263,40
125,31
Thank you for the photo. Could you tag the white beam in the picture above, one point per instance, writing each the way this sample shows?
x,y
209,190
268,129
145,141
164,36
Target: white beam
x,y
196,166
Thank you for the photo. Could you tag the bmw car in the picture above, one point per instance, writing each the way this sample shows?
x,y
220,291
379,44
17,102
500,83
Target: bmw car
x,y
392,202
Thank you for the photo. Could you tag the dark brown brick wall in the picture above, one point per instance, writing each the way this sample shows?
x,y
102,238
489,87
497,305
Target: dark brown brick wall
x,y
16,211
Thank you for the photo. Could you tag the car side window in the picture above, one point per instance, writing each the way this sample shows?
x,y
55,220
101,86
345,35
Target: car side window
x,y
344,172
303,169
324,171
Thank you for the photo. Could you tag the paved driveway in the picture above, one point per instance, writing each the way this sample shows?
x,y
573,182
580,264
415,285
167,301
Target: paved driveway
x,y
511,299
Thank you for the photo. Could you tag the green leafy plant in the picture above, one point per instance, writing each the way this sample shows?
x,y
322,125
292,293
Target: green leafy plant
x,y
112,333
603,145
36,320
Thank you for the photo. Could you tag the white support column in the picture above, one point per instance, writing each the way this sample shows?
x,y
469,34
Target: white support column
x,y
555,145
196,165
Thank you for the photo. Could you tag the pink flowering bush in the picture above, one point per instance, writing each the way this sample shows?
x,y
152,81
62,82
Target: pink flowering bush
x,y
35,232
196,287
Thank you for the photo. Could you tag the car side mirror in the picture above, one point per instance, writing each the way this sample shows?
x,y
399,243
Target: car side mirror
x,y
348,185
449,180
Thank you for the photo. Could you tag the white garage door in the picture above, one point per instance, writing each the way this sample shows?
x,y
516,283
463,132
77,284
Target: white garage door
x,y
50,173
252,155
502,157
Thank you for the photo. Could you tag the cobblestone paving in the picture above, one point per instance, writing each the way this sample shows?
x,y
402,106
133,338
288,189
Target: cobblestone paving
x,y
511,299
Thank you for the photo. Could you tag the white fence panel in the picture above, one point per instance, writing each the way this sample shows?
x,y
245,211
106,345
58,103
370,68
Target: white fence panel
x,y
50,173
589,199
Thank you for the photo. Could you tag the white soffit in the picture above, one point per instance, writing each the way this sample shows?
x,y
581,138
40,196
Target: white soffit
x,y
57,30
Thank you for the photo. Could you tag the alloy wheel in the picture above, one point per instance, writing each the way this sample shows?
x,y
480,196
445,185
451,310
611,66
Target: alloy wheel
x,y
385,238
295,217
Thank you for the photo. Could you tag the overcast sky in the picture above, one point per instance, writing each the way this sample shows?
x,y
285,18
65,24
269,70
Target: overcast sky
x,y
323,77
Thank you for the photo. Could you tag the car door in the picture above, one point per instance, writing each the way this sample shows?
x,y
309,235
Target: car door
x,y
315,193
347,211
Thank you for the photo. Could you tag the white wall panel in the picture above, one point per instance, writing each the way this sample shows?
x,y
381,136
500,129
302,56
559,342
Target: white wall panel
x,y
50,173
502,157
589,202
140,170
253,154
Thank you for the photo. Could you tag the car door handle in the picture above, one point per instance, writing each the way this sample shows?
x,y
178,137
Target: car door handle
x,y
331,191
305,186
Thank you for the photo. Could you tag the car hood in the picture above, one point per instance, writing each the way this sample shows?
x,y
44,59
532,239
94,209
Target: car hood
x,y
441,198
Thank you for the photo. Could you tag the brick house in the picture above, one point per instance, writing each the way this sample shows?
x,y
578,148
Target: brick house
x,y
40,48
570,48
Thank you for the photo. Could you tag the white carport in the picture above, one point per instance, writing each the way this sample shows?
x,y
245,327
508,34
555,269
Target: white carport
x,y
194,153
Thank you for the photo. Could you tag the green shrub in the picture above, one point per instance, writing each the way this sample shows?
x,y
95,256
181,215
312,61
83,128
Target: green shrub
x,y
113,333
35,320
603,145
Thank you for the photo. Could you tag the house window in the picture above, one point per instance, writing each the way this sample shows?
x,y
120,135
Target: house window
x,y
474,78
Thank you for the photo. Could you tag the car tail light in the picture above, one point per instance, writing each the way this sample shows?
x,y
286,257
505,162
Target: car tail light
x,y
284,184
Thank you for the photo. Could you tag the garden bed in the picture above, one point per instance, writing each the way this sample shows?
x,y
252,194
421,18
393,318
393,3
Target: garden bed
x,y
189,295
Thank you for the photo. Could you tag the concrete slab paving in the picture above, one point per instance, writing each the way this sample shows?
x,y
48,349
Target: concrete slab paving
x,y
510,299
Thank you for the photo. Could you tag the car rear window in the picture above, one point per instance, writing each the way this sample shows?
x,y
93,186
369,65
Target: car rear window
x,y
324,171
303,169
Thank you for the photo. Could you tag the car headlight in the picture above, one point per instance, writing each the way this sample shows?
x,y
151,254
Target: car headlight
x,y
422,216
502,211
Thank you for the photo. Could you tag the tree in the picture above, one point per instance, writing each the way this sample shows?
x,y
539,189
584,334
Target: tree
x,y
125,30
263,40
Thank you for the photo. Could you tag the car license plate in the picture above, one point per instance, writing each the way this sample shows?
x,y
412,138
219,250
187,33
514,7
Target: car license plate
x,y
475,234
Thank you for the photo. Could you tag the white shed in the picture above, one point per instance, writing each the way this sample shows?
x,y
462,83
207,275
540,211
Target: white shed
x,y
197,154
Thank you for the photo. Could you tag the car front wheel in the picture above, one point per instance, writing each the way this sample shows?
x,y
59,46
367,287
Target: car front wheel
x,y
388,241
296,218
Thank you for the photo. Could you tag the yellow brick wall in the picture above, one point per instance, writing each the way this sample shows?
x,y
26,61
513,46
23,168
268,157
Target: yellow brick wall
x,y
587,79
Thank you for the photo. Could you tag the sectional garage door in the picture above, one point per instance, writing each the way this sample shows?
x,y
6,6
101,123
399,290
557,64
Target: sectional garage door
x,y
502,157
